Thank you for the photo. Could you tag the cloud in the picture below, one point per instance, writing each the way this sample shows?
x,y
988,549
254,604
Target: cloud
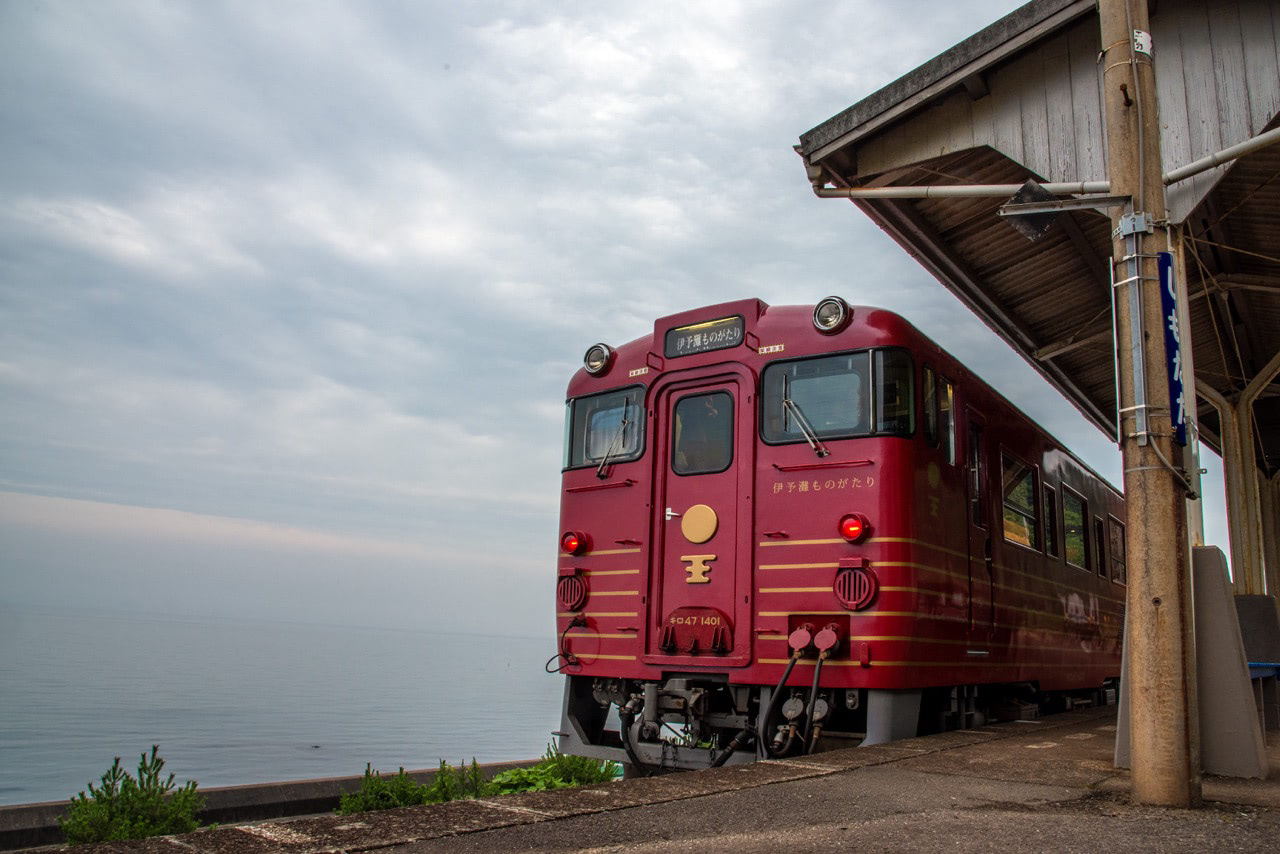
x,y
296,271
61,516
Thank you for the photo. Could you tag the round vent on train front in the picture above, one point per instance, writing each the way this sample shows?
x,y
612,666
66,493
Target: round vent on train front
x,y
856,588
571,592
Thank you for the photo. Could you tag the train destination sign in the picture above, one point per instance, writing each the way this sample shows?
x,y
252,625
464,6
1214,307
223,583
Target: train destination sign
x,y
718,334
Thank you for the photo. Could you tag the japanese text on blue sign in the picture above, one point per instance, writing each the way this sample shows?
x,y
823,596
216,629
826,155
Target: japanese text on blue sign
x,y
1173,347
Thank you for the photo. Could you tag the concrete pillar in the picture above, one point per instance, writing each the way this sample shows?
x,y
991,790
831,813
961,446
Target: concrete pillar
x,y
1164,746
1270,505
1255,482
1237,461
1249,528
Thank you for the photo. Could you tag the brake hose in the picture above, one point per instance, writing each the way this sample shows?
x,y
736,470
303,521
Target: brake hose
x,y
762,726
732,746
813,700
626,717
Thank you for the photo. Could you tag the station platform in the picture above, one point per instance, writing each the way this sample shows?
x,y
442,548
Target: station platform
x,y
1046,785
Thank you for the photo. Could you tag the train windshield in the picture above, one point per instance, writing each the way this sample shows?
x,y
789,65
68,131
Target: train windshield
x,y
608,425
850,394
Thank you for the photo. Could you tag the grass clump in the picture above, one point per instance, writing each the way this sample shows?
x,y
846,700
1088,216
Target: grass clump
x,y
384,793
555,771
128,807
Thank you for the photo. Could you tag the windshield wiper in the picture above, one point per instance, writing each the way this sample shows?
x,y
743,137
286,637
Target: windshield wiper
x,y
617,439
803,423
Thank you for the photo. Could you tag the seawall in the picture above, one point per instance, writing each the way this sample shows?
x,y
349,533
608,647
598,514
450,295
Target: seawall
x,y
29,825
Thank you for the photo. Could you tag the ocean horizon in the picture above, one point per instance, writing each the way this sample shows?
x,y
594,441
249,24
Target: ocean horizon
x,y
239,701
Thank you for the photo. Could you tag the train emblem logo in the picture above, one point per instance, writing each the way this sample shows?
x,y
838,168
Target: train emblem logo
x,y
697,568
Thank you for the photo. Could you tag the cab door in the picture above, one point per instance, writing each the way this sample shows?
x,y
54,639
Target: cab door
x,y
699,604
981,563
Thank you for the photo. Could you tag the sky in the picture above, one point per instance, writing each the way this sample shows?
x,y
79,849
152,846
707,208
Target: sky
x,y
290,292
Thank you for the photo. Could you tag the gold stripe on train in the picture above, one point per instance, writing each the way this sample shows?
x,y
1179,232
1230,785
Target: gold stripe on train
x,y
799,566
806,661
604,552
767,543
952,574
935,618
827,589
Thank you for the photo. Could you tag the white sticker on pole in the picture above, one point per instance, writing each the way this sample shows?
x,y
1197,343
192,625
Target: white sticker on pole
x,y
1142,42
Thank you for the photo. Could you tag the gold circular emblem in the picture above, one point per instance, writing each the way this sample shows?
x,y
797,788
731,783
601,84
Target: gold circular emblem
x,y
935,476
698,524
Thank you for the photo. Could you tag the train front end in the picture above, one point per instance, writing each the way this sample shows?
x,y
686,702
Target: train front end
x,y
690,456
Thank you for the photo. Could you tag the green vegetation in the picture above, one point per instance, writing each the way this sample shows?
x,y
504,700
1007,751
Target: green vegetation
x,y
125,807
555,771
383,793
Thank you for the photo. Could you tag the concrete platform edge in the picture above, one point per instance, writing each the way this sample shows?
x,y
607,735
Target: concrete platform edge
x,y
30,825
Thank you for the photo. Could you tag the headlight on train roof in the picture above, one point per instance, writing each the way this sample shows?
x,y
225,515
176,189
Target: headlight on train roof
x,y
831,315
598,359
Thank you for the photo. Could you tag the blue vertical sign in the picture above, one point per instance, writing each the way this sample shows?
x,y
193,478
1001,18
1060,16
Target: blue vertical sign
x,y
1172,347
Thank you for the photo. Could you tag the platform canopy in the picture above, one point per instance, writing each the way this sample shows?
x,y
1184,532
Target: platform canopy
x,y
1021,100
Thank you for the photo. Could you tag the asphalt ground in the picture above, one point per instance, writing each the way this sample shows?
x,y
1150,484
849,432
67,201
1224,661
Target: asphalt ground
x,y
1047,785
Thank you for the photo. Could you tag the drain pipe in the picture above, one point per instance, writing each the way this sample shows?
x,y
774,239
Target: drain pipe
x,y
1204,164
955,191
974,191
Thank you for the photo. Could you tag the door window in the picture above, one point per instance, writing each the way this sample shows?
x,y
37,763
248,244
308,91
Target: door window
x,y
1118,574
947,419
1050,523
977,503
702,433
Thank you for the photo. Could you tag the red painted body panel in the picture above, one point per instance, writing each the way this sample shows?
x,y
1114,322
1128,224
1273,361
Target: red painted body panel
x,y
944,614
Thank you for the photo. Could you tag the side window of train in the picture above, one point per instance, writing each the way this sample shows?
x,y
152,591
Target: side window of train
x,y
702,433
977,505
1050,522
608,424
1021,510
929,398
895,394
1116,530
1075,529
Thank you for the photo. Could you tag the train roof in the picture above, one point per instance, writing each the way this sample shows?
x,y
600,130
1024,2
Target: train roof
x,y
771,333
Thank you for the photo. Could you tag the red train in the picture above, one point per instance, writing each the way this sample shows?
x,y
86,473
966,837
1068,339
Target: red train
x,y
786,524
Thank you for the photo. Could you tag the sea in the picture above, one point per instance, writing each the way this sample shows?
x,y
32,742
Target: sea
x,y
231,702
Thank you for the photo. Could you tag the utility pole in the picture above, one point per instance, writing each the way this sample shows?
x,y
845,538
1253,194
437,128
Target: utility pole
x,y
1164,727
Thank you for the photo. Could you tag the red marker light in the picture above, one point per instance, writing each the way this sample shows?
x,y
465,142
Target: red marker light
x,y
854,527
573,542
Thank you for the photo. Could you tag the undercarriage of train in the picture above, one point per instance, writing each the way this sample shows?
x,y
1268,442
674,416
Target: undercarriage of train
x,y
690,721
